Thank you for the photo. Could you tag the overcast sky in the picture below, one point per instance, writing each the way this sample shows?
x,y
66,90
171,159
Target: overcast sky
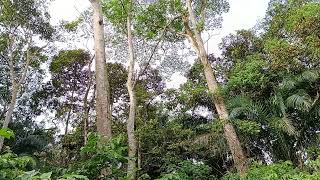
x,y
243,14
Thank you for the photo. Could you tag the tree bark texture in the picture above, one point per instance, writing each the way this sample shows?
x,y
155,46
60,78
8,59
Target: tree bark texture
x,y
132,142
195,38
102,84
16,86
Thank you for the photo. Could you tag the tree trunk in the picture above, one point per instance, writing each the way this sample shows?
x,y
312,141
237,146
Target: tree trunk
x,y
139,155
3,113
9,112
102,84
67,121
16,85
195,38
86,109
132,142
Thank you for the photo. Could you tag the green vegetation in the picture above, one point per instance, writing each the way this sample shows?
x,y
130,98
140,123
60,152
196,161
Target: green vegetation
x,y
264,94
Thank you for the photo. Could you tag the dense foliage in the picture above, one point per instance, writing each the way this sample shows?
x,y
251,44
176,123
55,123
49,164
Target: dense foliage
x,y
269,79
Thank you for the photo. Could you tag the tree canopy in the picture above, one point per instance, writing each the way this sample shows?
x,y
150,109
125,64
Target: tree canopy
x,y
107,111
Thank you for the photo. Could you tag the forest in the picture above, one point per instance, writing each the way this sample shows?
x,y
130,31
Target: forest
x,y
72,110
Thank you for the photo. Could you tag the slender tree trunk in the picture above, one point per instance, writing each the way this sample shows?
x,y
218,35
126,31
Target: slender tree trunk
x,y
195,38
139,155
16,85
86,108
70,110
86,114
132,168
3,113
67,121
102,84
9,112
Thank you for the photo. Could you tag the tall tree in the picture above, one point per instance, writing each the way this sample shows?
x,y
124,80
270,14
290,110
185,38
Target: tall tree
x,y
21,22
121,14
188,20
194,36
102,84
68,84
132,141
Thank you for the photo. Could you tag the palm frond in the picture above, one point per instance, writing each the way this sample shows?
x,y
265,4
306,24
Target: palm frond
x,y
283,124
235,113
292,82
308,76
242,106
300,101
315,110
259,111
278,102
288,126
239,101
288,84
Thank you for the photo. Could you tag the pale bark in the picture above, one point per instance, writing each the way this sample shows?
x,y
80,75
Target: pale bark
x,y
9,113
195,38
16,85
102,84
132,142
139,160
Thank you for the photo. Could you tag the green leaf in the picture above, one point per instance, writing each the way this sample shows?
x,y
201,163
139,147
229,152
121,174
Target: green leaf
x,y
73,177
301,101
6,133
46,176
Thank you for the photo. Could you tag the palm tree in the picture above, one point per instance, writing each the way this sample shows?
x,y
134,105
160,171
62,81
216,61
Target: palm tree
x,y
289,120
297,98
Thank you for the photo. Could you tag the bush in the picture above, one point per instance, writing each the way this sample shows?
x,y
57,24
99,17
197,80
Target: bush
x,y
281,170
110,156
188,170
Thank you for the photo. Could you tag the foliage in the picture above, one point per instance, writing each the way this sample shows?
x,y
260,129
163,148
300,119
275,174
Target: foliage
x,y
248,74
269,77
68,59
6,133
157,155
12,166
188,170
73,25
116,12
28,14
281,170
99,156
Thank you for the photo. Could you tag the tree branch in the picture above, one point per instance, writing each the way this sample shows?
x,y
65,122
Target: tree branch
x,y
154,49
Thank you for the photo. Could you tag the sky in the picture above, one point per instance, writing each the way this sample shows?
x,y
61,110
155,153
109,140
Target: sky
x,y
243,14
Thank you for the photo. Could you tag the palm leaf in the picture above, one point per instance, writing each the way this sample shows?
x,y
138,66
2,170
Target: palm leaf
x,y
308,76
288,126
243,106
283,124
239,101
278,102
300,101
237,112
288,84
